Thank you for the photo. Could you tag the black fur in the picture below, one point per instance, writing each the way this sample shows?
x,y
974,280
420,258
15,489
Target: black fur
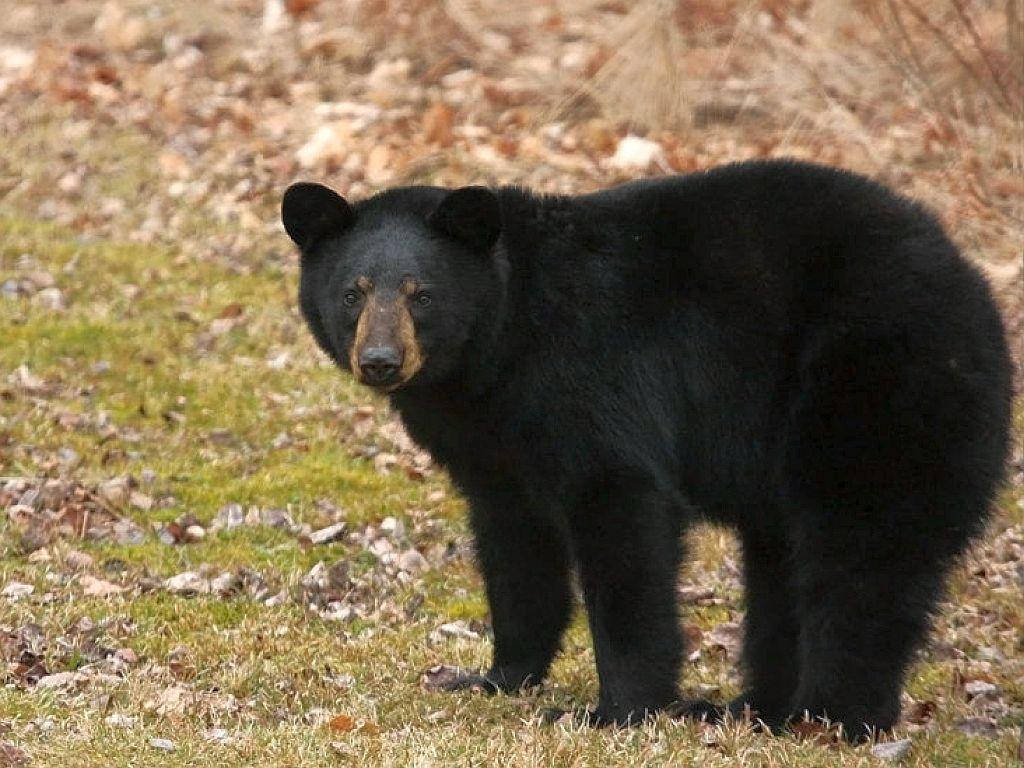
x,y
788,349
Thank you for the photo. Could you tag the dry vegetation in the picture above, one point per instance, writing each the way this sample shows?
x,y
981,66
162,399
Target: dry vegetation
x,y
215,548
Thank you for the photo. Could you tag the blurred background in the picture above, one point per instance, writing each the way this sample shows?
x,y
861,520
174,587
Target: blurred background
x,y
213,546
164,113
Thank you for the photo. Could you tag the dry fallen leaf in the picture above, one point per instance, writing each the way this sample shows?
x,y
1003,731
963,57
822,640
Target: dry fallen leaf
x,y
921,712
440,677
341,723
815,732
725,639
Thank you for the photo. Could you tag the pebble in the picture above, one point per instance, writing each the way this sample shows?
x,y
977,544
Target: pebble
x,y
892,750
328,534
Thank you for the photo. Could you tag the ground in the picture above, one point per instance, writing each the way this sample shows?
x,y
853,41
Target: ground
x,y
212,544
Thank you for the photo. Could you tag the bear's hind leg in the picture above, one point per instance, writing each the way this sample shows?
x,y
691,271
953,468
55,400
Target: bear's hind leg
x,y
864,608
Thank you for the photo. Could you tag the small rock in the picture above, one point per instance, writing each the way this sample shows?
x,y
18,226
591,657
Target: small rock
x,y
217,735
892,750
276,518
455,629
316,578
231,516
328,534
634,153
50,298
977,726
976,688
188,583
115,492
127,656
16,590
337,611
127,532
393,527
195,533
226,584
40,279
78,561
93,587
60,680
412,561
118,720
163,744
141,500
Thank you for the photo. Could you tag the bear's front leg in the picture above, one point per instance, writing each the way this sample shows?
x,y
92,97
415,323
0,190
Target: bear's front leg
x,y
627,536
524,557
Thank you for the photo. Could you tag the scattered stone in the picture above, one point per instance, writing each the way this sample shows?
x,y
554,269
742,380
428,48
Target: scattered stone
x,y
16,590
226,584
115,492
141,500
217,735
393,527
126,656
188,583
328,534
40,556
231,516
163,744
316,577
93,587
634,153
977,726
119,720
276,518
338,611
50,298
194,533
127,532
455,629
892,750
78,561
60,680
412,561
980,688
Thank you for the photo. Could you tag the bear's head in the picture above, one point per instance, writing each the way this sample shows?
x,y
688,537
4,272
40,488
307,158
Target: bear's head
x,y
394,287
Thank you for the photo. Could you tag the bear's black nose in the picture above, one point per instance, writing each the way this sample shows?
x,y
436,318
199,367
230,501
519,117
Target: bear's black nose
x,y
380,365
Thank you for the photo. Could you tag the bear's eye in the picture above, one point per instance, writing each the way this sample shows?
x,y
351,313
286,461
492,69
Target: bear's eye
x,y
423,299
350,298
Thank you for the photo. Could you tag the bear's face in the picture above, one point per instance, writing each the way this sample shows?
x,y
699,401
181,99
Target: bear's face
x,y
393,287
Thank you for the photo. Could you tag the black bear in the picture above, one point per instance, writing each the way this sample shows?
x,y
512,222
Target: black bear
x,y
787,349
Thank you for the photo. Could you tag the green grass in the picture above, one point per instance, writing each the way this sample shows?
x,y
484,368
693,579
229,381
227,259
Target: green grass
x,y
268,675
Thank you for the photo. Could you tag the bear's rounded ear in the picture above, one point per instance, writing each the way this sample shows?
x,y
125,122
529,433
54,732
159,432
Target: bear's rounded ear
x,y
311,211
470,215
